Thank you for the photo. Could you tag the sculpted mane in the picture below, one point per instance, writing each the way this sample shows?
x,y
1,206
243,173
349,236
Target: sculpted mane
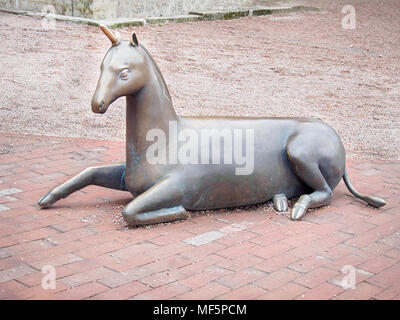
x,y
166,91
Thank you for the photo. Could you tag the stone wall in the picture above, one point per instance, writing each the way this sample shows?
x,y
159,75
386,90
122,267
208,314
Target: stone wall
x,y
109,9
165,8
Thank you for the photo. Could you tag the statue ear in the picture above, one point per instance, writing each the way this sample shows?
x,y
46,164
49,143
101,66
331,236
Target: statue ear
x,y
134,40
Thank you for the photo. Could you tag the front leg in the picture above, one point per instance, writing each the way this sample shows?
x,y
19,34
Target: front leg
x,y
111,176
161,203
280,202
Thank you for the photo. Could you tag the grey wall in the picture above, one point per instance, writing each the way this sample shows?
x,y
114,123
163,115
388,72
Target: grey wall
x,y
108,9
98,9
155,8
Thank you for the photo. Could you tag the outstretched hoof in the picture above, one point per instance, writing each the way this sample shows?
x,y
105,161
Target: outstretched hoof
x,y
298,212
280,202
47,200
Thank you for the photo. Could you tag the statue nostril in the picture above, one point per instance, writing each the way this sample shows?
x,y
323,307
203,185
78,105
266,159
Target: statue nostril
x,y
101,105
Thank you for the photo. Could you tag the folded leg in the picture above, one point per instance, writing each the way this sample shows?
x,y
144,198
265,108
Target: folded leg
x,y
160,203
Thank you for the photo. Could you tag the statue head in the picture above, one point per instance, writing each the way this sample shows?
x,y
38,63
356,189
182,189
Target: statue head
x,y
123,70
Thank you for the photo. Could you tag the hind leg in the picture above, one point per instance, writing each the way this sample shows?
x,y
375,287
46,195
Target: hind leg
x,y
307,169
308,201
111,176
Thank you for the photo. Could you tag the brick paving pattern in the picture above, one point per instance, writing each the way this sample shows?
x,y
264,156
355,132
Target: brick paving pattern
x,y
243,253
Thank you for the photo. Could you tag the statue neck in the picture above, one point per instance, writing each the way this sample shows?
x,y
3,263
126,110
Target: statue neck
x,y
149,108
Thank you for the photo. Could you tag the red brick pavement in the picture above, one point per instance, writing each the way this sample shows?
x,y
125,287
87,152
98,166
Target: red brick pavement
x,y
258,255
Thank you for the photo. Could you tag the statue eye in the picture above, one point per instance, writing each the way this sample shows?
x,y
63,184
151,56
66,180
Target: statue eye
x,y
124,75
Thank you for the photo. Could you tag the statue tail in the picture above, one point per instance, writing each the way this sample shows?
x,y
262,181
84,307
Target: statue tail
x,y
371,200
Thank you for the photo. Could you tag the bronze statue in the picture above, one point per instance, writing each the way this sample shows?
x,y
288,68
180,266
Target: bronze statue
x,y
292,156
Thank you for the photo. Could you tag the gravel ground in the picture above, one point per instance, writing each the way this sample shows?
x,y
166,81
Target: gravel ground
x,y
299,64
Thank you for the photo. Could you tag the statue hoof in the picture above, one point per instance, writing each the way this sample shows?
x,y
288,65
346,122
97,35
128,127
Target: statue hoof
x,y
298,212
280,202
47,200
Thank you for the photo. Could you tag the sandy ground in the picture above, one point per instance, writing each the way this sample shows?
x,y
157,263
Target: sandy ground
x,y
299,64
